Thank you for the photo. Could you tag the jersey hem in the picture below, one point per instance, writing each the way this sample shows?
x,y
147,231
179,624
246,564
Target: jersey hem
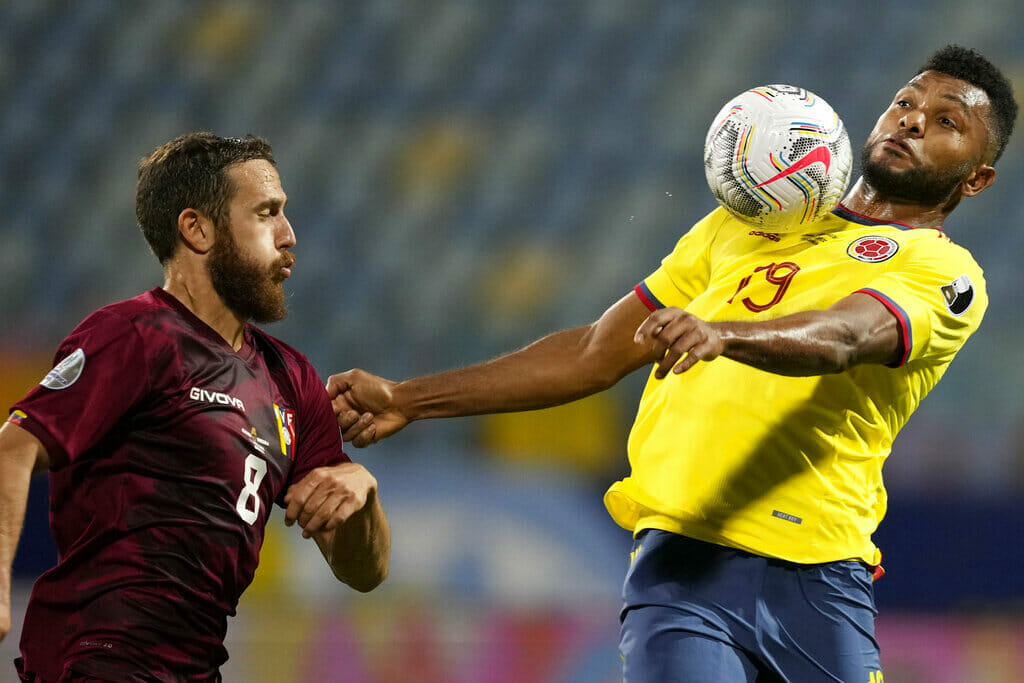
x,y
626,504
54,451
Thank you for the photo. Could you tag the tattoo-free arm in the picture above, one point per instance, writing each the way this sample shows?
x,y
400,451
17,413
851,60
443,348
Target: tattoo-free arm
x,y
855,330
556,369
21,454
359,551
339,508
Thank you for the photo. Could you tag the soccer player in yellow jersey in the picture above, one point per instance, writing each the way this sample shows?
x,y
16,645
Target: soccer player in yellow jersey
x,y
783,368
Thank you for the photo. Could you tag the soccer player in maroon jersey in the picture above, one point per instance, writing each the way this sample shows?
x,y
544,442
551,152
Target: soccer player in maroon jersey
x,y
170,425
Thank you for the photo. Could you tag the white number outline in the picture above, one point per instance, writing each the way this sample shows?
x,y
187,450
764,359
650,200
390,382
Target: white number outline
x,y
252,477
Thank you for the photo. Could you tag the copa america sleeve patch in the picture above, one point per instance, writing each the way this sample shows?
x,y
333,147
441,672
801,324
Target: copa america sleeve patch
x,y
959,295
66,372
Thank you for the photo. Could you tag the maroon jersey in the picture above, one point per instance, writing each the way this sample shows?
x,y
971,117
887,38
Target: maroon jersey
x,y
167,449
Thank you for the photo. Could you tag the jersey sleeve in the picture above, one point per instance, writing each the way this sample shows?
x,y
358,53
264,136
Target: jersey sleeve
x,y
100,371
318,437
685,272
937,292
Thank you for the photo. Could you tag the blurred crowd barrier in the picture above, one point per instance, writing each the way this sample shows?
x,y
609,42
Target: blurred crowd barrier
x,y
464,177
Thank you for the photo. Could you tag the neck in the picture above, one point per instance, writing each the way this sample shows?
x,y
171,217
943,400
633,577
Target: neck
x,y
866,200
195,291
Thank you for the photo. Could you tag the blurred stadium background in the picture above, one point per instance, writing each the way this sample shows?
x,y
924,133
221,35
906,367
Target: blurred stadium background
x,y
463,177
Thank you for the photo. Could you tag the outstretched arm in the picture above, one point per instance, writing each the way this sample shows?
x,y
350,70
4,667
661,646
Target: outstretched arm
x,y
857,329
21,454
339,508
556,369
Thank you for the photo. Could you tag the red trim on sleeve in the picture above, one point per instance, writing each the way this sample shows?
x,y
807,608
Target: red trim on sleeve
x,y
639,289
902,319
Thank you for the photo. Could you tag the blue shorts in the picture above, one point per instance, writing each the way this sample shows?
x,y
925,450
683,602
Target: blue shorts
x,y
695,611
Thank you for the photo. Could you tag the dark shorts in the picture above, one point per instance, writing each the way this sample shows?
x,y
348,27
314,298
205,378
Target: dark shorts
x,y
695,611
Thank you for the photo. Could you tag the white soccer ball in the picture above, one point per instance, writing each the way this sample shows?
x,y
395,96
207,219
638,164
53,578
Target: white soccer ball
x,y
777,157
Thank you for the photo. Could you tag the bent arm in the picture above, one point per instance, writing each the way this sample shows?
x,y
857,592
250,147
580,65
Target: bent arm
x,y
339,507
359,551
21,454
855,330
556,369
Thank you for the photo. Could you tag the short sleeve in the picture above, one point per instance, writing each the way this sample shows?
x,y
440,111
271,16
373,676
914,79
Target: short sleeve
x,y
317,435
685,273
937,292
100,371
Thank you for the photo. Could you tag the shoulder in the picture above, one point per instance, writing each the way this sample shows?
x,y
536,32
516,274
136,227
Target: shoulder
x,y
715,230
119,318
294,361
937,245
131,312
719,222
141,305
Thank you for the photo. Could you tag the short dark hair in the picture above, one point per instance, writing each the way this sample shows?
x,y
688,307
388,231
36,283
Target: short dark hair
x,y
190,171
969,65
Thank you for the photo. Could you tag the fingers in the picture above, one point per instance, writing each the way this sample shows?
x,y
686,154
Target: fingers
x,y
353,424
314,512
347,412
326,498
338,384
365,438
688,348
360,390
651,328
322,508
357,425
678,339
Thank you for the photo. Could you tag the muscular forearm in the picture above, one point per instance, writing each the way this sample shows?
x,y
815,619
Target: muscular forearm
x,y
556,369
856,329
360,550
809,343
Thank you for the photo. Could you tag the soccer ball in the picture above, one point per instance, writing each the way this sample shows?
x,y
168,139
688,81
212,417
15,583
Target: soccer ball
x,y
777,157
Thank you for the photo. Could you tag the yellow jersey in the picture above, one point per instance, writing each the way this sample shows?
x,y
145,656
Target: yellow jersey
x,y
791,467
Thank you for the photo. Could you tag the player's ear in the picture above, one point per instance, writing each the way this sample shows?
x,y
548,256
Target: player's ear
x,y
196,230
979,179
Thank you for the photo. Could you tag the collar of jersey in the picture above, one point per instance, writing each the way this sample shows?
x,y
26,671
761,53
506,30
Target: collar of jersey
x,y
246,352
854,217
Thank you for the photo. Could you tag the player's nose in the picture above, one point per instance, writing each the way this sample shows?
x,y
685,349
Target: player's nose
x,y
286,235
913,122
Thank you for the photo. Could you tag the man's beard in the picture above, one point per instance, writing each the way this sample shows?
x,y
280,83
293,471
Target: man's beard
x,y
251,292
930,187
